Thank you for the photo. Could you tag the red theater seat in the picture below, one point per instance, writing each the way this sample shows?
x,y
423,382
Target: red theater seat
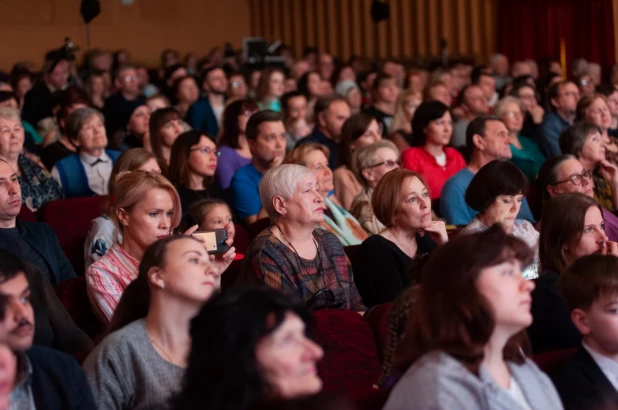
x,y
72,294
26,215
70,219
350,365
377,317
552,362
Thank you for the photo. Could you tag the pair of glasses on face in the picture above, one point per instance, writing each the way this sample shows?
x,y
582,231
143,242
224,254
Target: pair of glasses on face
x,y
389,163
577,179
207,151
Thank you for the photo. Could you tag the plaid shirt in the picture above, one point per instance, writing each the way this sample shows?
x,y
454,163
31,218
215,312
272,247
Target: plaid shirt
x,y
107,278
269,261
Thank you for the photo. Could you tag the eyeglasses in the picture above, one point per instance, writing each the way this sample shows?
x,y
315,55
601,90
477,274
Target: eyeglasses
x,y
577,179
389,163
130,78
206,151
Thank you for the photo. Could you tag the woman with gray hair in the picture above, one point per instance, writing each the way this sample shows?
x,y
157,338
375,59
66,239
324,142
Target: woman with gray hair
x,y
37,186
370,164
292,255
526,152
87,172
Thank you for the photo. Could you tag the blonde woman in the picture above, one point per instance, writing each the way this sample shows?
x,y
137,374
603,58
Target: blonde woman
x,y
407,103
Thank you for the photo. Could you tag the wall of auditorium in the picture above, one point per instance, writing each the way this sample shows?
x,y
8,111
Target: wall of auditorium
x,y
30,27
414,30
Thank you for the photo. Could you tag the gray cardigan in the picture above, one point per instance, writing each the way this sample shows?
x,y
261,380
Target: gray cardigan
x,y
125,372
437,381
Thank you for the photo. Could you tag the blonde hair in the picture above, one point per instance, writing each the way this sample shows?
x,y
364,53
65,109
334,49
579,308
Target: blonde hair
x,y
10,113
297,156
399,119
133,186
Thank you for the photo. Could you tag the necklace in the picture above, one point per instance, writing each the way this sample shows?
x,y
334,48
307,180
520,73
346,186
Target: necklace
x,y
167,357
318,267
401,245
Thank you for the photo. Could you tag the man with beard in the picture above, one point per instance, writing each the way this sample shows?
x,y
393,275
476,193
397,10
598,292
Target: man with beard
x,y
46,378
205,114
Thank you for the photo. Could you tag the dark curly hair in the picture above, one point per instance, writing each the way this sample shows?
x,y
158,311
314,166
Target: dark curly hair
x,y
223,373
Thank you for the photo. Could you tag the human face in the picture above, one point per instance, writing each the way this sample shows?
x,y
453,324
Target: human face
x,y
306,204
151,166
203,158
317,162
488,85
599,113
59,75
276,86
92,138
178,73
170,131
128,82
18,325
149,219
384,160
10,194
97,85
528,98
593,149
414,210
410,106
388,91
326,66
569,168
216,82
513,117
568,96
11,138
188,273
439,131
138,123
600,324
156,104
475,102
593,238
237,87
219,217
347,73
503,210
23,86
586,86
8,370
496,144
314,84
372,134
297,107
333,118
508,294
287,359
440,93
188,91
269,146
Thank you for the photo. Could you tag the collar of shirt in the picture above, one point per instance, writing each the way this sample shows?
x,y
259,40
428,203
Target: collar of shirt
x,y
608,366
21,396
90,160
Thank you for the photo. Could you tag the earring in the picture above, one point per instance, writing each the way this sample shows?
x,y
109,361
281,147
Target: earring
x,y
162,286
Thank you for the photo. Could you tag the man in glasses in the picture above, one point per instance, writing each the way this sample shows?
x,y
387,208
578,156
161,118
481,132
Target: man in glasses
x,y
563,97
124,101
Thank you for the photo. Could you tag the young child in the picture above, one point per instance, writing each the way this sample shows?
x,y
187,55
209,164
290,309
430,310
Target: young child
x,y
214,214
589,381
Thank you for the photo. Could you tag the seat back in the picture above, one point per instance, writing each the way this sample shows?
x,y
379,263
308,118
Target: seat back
x,y
26,215
241,239
350,365
228,279
256,227
377,317
70,219
73,295
552,362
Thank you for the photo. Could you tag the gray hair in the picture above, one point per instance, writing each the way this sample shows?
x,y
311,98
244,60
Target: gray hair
x,y
10,113
282,181
75,121
363,157
499,109
495,58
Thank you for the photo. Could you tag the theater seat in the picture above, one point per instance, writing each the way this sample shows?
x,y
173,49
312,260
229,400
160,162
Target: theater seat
x,y
26,215
231,274
72,294
350,365
70,219
377,317
552,362
241,239
256,227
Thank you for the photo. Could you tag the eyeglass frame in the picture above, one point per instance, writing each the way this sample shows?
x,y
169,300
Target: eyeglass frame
x,y
388,163
206,150
586,173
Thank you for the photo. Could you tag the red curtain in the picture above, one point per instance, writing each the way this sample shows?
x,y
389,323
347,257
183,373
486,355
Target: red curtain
x,y
534,28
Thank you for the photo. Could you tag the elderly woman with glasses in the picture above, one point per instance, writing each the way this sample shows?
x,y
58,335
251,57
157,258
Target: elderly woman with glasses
x,y
293,254
370,164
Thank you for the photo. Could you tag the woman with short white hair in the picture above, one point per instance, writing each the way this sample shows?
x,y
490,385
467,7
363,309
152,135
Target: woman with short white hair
x,y
292,255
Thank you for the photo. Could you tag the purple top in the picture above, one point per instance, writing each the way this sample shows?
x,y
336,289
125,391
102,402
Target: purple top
x,y
611,225
228,164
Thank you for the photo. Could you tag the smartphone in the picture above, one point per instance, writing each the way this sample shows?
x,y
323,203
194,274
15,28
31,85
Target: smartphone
x,y
214,240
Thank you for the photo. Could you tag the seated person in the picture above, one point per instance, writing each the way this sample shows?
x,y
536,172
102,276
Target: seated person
x,y
266,139
210,214
370,164
102,232
589,288
165,126
571,227
53,326
33,242
146,208
336,219
449,356
8,362
562,97
487,138
142,362
496,192
245,361
87,172
401,202
193,163
37,186
358,131
47,379
564,174
585,142
292,255
432,127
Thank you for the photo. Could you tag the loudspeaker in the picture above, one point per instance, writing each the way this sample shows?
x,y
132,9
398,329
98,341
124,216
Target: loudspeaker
x,y
90,9
380,11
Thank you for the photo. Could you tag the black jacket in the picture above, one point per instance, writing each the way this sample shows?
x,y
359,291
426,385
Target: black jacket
x,y
38,104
